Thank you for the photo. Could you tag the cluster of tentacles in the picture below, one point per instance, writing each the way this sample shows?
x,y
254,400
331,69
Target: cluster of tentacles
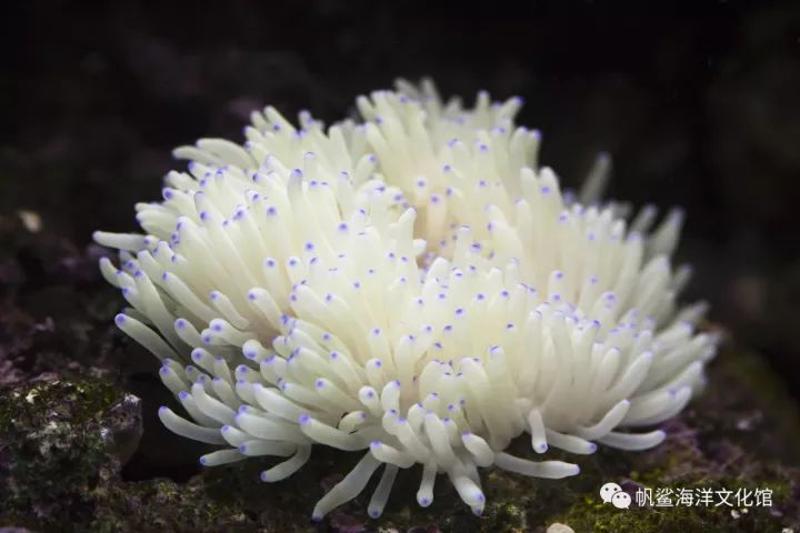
x,y
410,283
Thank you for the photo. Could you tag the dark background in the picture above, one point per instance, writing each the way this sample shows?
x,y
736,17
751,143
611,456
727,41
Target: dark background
x,y
699,107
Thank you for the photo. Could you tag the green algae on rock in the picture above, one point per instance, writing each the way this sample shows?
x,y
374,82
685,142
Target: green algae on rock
x,y
60,440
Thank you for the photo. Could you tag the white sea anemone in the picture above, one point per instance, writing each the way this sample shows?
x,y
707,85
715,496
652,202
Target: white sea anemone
x,y
411,284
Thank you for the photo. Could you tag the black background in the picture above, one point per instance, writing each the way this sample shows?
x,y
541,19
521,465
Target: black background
x,y
699,105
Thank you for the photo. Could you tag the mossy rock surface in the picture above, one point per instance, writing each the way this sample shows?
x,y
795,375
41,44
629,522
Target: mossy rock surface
x,y
64,443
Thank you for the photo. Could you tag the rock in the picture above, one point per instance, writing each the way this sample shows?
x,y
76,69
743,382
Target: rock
x,y
55,451
122,429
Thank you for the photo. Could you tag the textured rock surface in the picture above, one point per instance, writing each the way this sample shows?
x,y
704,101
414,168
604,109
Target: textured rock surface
x,y
71,456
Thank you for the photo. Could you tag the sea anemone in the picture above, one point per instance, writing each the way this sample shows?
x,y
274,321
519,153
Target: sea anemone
x,y
410,283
